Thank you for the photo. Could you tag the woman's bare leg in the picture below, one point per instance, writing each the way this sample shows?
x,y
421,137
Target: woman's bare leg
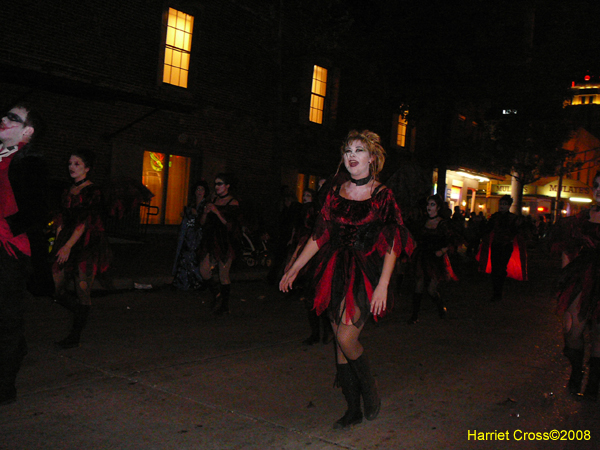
x,y
573,329
347,343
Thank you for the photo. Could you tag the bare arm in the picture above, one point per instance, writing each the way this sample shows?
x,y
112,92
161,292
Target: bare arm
x,y
63,254
379,300
564,259
309,251
212,208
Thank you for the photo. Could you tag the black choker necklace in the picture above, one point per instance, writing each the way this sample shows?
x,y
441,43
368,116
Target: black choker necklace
x,y
362,181
222,196
80,182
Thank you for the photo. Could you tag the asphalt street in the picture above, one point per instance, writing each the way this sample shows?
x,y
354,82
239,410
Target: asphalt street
x,y
156,370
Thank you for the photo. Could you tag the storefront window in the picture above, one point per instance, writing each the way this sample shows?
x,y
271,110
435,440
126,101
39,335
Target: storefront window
x,y
305,181
168,178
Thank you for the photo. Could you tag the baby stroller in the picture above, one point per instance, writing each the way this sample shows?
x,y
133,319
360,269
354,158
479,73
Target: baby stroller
x,y
253,254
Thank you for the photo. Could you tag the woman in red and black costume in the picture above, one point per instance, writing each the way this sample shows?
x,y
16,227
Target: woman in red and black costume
x,y
357,237
579,292
81,248
430,260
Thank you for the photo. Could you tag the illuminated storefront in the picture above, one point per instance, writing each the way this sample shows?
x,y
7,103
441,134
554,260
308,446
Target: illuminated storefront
x,y
464,188
540,197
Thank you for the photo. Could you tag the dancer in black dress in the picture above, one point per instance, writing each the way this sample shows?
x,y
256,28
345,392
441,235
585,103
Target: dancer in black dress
x,y
430,260
81,249
357,237
220,220
579,293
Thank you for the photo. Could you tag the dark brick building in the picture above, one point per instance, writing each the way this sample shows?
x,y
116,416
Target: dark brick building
x,y
96,70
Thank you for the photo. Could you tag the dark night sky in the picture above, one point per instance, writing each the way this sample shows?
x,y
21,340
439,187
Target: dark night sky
x,y
477,41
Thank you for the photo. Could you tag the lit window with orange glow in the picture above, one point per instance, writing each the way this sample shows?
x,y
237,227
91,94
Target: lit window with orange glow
x,y
401,134
455,192
178,46
318,92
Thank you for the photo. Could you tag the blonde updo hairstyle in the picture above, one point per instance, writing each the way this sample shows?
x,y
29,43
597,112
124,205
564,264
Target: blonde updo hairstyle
x,y
372,142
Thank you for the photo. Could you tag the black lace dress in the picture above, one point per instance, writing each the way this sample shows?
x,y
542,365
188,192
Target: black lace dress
x,y
353,239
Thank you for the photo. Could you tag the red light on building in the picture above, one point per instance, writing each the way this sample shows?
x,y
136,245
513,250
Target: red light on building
x,y
587,78
572,84
541,209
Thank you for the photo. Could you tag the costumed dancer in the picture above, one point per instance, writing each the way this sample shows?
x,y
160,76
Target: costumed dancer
x,y
220,221
80,249
186,268
503,251
358,235
579,292
430,259
22,218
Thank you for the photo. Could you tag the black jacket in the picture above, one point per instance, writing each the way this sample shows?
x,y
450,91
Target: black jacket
x,y
28,175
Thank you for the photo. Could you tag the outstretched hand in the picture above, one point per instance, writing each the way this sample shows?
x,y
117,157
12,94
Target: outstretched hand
x,y
63,255
379,300
287,280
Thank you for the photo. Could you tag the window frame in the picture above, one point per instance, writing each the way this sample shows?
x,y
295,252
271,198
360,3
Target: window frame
x,y
401,124
165,47
318,94
164,207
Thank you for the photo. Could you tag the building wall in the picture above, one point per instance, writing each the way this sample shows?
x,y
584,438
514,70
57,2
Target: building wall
x,y
93,70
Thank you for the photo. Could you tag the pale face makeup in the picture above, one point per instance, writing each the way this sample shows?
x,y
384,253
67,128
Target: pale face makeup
x,y
307,197
357,159
77,168
13,129
432,208
221,188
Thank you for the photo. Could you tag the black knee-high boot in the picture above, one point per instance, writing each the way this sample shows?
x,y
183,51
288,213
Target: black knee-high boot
x,y
224,307
327,336
416,307
441,307
80,319
593,384
215,291
346,378
575,357
66,300
498,287
368,386
313,321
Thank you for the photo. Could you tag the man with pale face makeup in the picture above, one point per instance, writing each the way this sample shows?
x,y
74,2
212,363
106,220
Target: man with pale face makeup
x,y
22,213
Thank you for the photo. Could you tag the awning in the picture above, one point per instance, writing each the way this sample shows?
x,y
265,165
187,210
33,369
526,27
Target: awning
x,y
571,189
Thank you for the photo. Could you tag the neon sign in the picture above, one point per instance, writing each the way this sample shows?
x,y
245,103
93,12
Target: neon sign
x,y
157,161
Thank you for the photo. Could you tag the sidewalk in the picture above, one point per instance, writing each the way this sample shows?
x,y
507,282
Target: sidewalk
x,y
151,263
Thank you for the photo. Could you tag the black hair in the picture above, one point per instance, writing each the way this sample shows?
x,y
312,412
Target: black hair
x,y
33,120
228,178
507,199
87,156
437,199
311,192
204,184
